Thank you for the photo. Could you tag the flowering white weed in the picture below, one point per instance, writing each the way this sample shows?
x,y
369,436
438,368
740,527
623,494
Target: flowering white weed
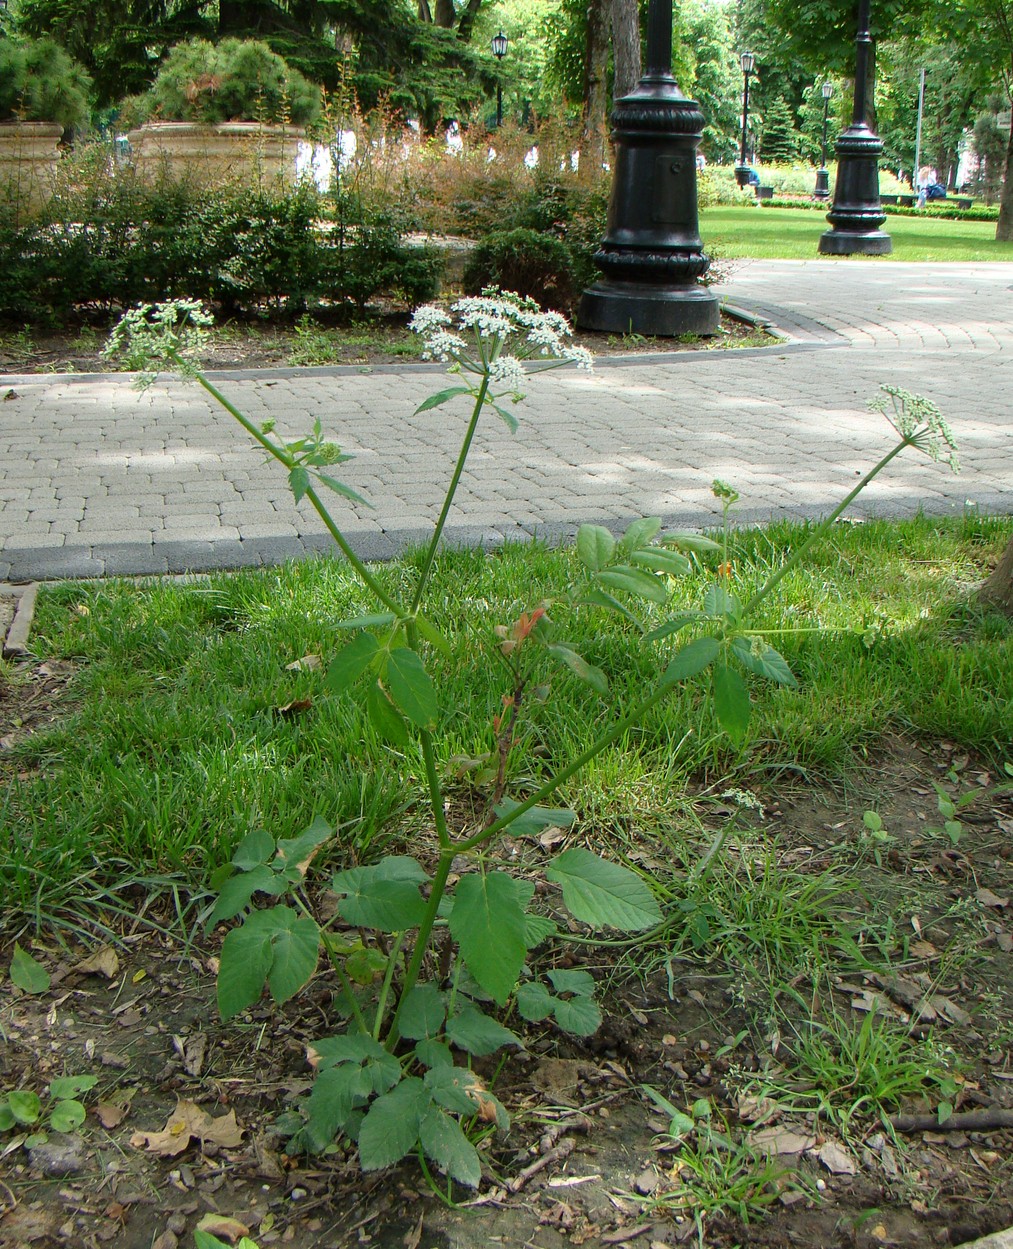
x,y
919,422
172,333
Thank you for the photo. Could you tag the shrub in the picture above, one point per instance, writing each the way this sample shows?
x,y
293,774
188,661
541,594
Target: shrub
x,y
531,264
40,82
235,80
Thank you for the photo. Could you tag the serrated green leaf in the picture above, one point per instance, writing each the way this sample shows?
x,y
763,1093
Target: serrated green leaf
x,y
237,891
255,848
603,894
444,1142
691,660
720,603
370,901
534,1001
449,1086
567,980
432,1053
507,417
67,1115
387,721
242,973
433,636
422,1013
639,533
669,562
364,966
299,481
538,928
339,487
28,973
411,687
351,662
391,1126
579,666
599,598
476,1033
336,1093
758,657
69,1087
673,625
731,702
595,547
441,397
355,1047
580,1016
487,923
690,541
535,818
25,1106
635,581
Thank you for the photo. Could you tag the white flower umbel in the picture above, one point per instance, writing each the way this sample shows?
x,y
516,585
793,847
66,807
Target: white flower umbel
x,y
919,422
172,334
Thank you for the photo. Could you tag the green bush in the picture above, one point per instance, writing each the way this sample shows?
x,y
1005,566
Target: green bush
x,y
39,82
524,261
235,80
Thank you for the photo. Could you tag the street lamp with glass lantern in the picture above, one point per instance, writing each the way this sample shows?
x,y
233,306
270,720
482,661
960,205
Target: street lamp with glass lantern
x,y
499,51
747,60
822,176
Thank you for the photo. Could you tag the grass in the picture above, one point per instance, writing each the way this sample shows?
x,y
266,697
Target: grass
x,y
793,234
178,737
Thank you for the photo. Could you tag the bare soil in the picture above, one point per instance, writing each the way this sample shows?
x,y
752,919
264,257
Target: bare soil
x,y
586,1161
381,339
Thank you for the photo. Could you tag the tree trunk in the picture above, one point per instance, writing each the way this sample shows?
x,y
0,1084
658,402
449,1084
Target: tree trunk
x,y
1004,226
625,47
593,117
445,14
998,589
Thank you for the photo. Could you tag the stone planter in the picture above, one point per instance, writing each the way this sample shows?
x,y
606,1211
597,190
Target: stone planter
x,y
229,151
29,154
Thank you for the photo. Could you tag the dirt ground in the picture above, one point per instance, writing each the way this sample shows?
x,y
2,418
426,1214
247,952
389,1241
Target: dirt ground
x,y
180,1130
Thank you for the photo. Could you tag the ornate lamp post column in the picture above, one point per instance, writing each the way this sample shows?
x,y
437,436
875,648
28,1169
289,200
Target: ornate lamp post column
x,y
822,176
747,61
857,214
652,253
499,51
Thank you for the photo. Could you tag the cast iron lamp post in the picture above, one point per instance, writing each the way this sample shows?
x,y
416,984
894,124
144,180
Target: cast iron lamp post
x,y
747,61
822,176
652,255
857,214
499,51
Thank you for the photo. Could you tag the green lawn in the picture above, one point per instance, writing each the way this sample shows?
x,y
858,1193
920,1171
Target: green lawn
x,y
793,234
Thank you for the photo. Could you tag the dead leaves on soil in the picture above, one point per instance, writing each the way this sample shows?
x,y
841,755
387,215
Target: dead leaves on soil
x,y
189,1123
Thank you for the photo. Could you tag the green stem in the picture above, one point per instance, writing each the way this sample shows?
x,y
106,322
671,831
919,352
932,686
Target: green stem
x,y
818,533
439,887
388,976
346,984
429,760
451,491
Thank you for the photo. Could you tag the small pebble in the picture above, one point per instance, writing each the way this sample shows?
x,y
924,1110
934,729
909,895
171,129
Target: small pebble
x,y
297,1194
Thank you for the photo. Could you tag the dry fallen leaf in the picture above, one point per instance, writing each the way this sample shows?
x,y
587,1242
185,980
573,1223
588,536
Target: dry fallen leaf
x,y
1004,941
295,708
781,1141
223,1227
836,1159
987,898
188,1123
112,1110
308,663
167,1240
104,962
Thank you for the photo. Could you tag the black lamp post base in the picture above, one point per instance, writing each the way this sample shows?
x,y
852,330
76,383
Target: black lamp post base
x,y
742,175
855,242
611,307
822,190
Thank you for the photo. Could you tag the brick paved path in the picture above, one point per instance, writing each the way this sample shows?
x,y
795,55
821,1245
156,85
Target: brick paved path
x,y
96,478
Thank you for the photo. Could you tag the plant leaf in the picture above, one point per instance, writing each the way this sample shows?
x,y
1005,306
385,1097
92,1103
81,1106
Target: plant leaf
x,y
488,924
731,702
535,818
690,541
67,1115
25,1106
442,396
661,560
691,660
534,1001
538,928
411,687
579,666
434,1054
764,661
299,481
242,972
639,533
449,1087
295,853
385,718
370,901
255,848
351,662
391,1126
600,893
595,546
339,487
719,603
507,417
422,1013
28,973
445,1143
336,1093
296,946
69,1087
635,581
673,625
236,892
579,1015
474,1032
376,621
565,980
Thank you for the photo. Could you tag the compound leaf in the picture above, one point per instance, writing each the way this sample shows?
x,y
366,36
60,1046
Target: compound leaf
x,y
603,894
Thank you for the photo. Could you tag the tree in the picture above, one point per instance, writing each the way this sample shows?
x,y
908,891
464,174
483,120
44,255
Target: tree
x,y
595,95
998,589
779,139
625,47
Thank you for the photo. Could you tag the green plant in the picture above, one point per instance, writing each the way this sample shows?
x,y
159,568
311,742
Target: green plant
x,y
523,260
40,82
426,963
234,80
60,1109
949,807
313,344
875,835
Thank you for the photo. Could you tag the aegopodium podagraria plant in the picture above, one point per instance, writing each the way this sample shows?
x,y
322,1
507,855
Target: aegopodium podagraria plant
x,y
428,970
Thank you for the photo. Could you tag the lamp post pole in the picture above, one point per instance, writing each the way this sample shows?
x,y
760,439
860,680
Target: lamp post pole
x,y
857,214
822,190
747,60
499,51
652,254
